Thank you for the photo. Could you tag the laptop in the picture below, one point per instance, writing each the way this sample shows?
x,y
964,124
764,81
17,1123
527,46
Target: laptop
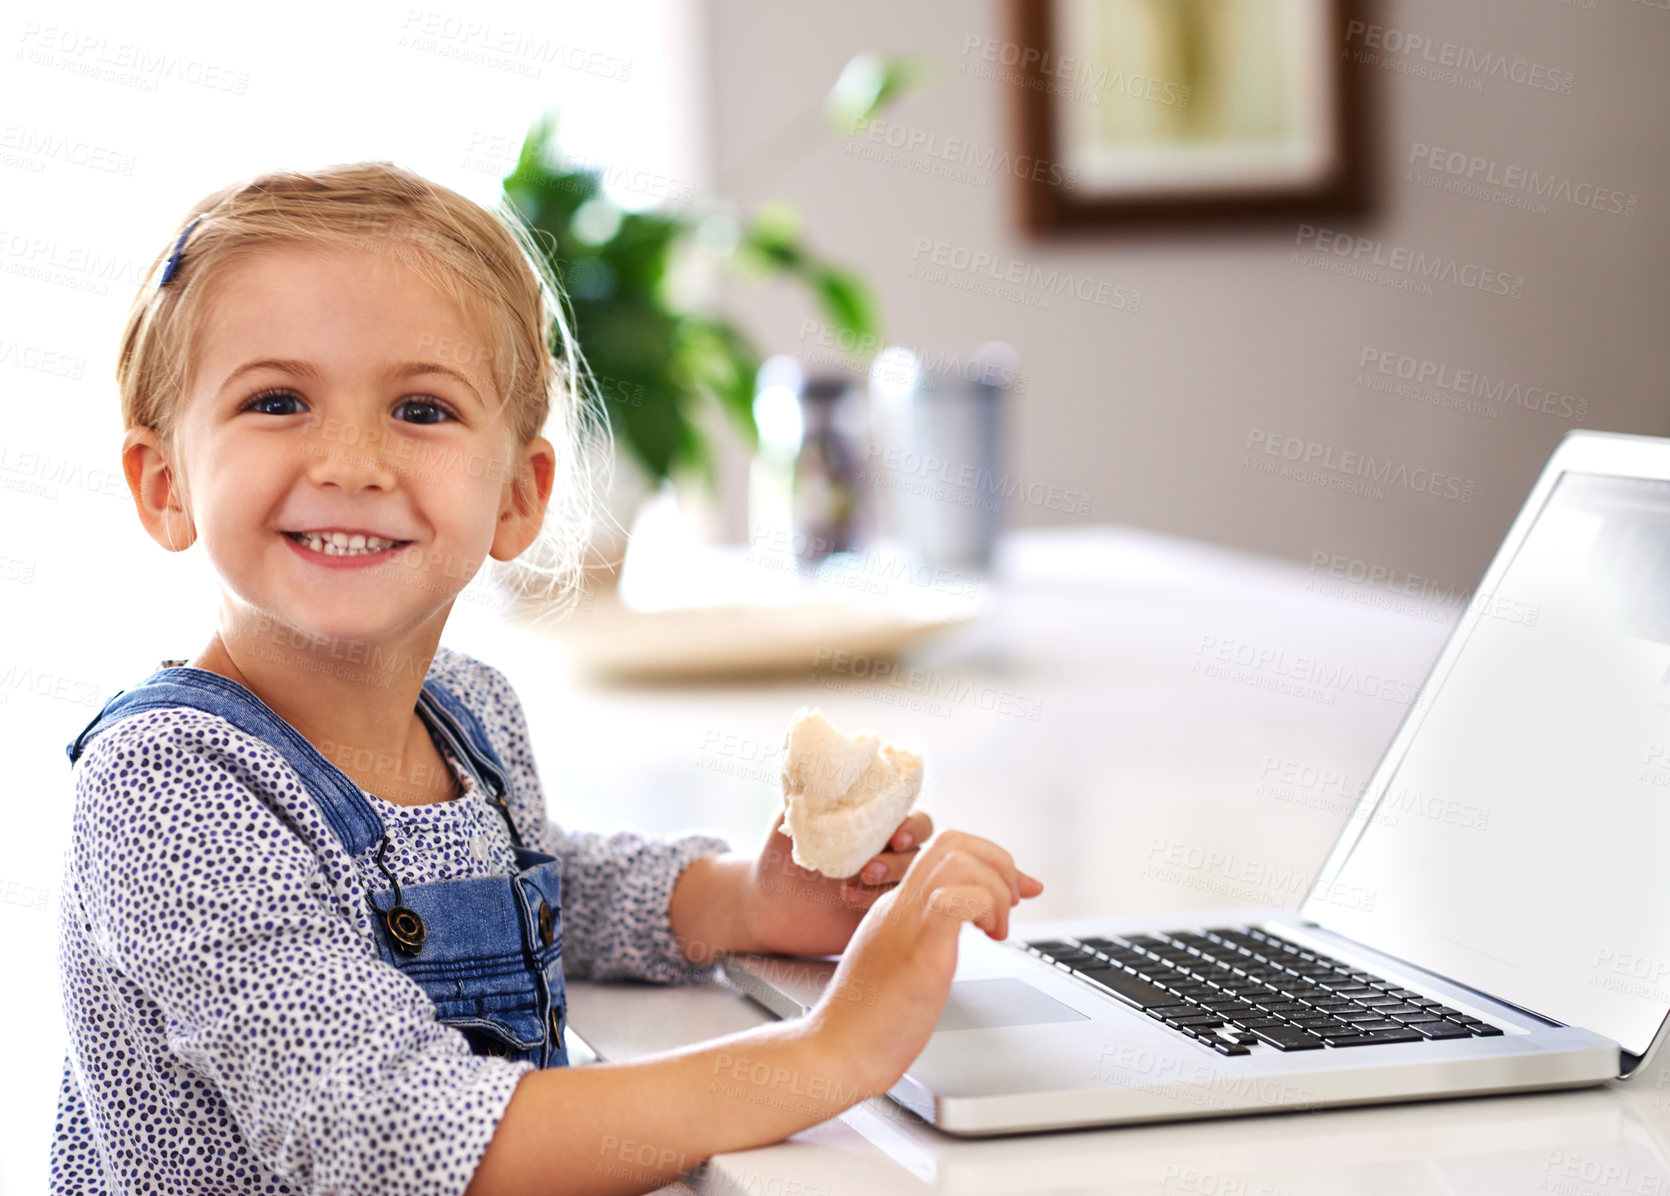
x,y
1525,945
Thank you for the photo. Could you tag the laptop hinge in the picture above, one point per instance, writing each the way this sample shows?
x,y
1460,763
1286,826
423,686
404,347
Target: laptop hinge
x,y
1409,963
1628,1061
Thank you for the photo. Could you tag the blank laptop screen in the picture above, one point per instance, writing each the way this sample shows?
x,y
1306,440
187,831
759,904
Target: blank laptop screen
x,y
1519,844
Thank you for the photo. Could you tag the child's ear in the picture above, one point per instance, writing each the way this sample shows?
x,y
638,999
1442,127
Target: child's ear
x,y
523,500
158,499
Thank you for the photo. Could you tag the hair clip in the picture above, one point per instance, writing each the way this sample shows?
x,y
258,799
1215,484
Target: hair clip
x,y
173,262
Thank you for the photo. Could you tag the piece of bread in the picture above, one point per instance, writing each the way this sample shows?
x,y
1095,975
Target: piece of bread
x,y
845,794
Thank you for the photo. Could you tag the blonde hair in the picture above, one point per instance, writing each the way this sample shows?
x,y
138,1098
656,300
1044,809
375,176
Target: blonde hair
x,y
487,263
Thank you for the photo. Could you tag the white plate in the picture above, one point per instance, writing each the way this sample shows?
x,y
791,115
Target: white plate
x,y
800,627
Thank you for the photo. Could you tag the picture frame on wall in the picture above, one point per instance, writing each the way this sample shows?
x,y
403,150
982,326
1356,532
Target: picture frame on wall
x,y
1154,110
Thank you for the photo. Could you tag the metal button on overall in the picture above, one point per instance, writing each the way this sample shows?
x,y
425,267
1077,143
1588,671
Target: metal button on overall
x,y
547,924
406,929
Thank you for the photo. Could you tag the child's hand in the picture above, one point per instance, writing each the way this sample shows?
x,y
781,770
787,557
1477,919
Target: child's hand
x,y
885,997
796,911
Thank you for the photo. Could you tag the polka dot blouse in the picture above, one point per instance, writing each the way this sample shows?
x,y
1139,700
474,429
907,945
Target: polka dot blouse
x,y
231,1026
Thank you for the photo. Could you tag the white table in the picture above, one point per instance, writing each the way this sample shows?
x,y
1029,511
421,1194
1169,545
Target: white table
x,y
1150,740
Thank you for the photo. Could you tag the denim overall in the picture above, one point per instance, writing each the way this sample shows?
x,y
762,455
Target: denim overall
x,y
488,951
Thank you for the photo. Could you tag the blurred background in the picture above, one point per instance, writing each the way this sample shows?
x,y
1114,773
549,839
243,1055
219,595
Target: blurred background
x,y
923,328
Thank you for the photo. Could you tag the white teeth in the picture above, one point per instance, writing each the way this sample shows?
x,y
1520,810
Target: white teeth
x,y
342,543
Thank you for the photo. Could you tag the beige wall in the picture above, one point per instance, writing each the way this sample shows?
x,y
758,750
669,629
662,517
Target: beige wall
x,y
1149,412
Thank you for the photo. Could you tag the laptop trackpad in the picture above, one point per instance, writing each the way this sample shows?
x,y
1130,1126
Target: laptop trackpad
x,y
987,1004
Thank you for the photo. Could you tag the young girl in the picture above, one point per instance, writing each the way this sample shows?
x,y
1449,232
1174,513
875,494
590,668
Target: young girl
x,y
315,922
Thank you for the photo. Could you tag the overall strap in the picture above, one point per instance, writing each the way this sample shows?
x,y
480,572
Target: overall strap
x,y
467,738
350,816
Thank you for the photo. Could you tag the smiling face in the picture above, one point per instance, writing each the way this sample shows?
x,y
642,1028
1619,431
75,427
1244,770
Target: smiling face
x,y
348,465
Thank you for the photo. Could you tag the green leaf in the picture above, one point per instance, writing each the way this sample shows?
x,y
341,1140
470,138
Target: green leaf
x,y
868,83
656,433
846,301
720,361
771,242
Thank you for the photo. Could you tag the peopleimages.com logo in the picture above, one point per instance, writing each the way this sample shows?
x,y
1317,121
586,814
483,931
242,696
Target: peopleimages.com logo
x,y
964,484
1348,464
1470,383
1411,263
981,270
960,151
1079,79
1419,55
1474,170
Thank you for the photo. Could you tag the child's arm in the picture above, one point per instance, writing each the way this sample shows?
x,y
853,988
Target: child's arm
x,y
617,900
632,1127
772,904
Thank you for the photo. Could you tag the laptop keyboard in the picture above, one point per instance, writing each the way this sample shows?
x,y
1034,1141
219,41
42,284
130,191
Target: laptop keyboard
x,y
1237,988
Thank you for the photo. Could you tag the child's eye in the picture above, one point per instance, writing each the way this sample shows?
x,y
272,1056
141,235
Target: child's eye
x,y
271,396
434,410
272,402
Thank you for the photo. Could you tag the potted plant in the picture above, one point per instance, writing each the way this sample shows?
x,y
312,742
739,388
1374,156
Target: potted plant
x,y
654,361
